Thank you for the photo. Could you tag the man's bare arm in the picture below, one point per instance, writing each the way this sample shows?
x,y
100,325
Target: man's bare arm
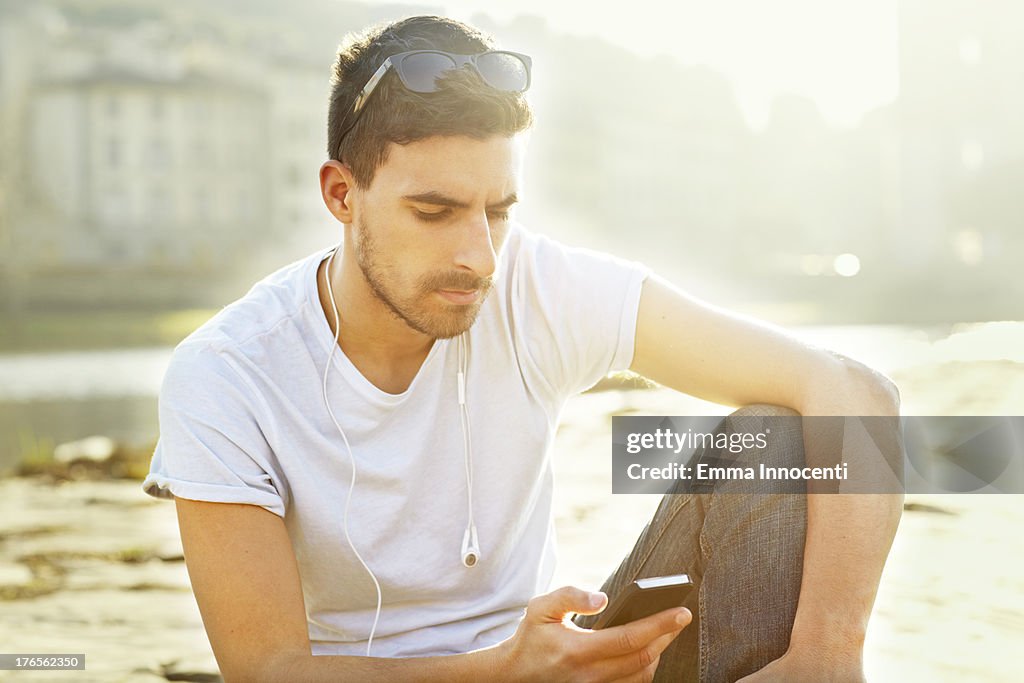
x,y
246,581
701,350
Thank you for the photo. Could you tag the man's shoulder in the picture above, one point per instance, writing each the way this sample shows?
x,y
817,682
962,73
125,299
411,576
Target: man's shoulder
x,y
523,237
530,254
279,296
523,245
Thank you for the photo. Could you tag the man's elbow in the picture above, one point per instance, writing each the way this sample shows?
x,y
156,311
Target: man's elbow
x,y
863,389
880,387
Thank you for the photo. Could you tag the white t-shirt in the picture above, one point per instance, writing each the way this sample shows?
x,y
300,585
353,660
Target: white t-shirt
x,y
242,420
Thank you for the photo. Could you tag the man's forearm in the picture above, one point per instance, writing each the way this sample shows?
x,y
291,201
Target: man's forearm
x,y
485,664
848,535
848,539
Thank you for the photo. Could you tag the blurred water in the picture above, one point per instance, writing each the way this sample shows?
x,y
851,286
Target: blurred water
x,y
82,375
118,373
47,398
37,426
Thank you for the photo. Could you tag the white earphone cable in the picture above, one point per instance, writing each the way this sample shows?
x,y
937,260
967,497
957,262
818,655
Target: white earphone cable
x,y
466,439
471,551
352,485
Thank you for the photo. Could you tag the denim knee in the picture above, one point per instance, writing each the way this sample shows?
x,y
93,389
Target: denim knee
x,y
772,437
784,443
764,508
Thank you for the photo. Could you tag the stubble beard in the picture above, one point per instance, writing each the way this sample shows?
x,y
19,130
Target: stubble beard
x,y
412,309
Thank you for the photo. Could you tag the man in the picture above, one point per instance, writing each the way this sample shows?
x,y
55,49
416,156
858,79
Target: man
x,y
358,448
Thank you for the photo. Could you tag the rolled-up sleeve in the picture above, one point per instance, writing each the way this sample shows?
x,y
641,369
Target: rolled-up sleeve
x,y
211,447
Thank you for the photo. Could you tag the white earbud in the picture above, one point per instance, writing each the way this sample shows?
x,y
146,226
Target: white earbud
x,y
470,547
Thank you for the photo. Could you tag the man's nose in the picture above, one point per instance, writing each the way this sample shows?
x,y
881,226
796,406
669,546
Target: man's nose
x,y
476,248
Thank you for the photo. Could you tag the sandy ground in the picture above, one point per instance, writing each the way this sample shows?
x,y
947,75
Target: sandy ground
x,y
96,567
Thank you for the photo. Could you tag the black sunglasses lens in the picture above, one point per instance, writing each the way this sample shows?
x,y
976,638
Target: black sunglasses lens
x,y
503,71
420,71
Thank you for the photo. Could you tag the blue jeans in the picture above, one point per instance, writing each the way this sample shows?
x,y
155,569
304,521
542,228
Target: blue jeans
x,y
744,553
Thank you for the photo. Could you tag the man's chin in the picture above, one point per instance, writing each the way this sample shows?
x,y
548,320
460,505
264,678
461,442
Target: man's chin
x,y
452,322
446,318
456,327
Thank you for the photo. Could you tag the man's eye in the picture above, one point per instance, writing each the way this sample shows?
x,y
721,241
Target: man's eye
x,y
432,215
498,216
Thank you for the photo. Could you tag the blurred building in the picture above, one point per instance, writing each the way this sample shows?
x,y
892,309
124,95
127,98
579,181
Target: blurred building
x,y
129,169
152,137
297,90
147,145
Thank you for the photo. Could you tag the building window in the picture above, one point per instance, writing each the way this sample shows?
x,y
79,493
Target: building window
x,y
201,152
113,152
159,154
202,206
114,207
160,210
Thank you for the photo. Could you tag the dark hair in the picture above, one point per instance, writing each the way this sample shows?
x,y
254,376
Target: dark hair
x,y
464,104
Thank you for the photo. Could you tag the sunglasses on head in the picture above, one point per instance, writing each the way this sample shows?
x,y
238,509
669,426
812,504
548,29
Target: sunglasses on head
x,y
420,70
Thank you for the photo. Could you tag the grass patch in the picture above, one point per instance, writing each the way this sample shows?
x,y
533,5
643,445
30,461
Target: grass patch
x,y
134,555
36,451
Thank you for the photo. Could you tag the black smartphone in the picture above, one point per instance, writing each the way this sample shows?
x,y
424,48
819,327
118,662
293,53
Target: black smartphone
x,y
645,597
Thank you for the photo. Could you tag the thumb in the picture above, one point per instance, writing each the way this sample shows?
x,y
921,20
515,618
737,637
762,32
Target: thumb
x,y
555,605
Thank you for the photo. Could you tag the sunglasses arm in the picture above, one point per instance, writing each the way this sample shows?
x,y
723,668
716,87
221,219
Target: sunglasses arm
x,y
371,84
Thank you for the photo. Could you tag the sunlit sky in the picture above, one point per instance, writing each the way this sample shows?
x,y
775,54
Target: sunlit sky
x,y
842,54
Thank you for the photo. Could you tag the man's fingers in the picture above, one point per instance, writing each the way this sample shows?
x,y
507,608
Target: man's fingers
x,y
555,605
621,640
627,666
645,676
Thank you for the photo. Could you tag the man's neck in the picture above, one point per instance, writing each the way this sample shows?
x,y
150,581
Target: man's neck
x,y
384,349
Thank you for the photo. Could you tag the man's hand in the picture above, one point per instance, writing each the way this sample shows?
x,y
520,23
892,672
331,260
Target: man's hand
x,y
549,647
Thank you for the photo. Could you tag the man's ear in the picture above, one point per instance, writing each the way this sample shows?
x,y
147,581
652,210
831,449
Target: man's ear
x,y
336,185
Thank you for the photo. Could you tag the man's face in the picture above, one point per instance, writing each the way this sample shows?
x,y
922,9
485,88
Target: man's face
x,y
428,230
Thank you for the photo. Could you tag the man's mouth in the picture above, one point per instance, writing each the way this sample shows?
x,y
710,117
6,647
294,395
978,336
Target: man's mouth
x,y
460,296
